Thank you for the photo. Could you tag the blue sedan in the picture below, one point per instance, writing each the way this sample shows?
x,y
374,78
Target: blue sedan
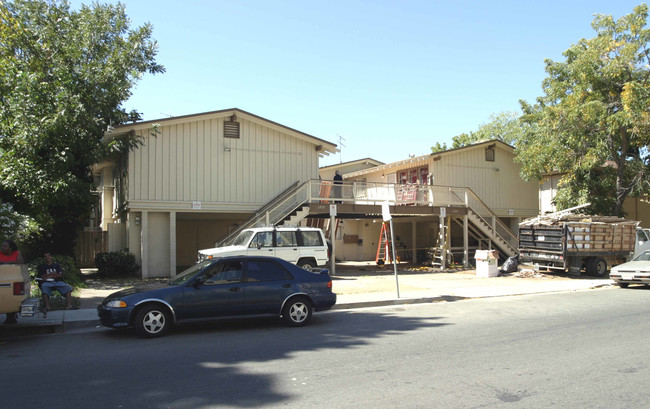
x,y
237,286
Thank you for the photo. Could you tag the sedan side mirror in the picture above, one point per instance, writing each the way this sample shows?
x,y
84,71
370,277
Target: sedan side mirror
x,y
199,281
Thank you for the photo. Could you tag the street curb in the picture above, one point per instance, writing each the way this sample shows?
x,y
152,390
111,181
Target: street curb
x,y
449,298
400,301
72,325
62,327
29,330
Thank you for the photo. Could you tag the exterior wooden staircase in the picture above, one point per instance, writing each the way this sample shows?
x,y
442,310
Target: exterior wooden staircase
x,y
292,206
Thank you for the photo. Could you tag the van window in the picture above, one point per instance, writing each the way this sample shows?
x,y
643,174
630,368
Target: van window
x,y
311,238
243,238
262,239
286,239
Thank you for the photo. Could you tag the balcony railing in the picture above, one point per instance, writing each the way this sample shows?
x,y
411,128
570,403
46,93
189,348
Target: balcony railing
x,y
371,193
376,193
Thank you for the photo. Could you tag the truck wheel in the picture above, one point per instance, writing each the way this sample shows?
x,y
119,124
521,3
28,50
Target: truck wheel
x,y
596,267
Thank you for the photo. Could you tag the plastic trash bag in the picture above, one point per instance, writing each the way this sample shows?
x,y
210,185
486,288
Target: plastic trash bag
x,y
511,264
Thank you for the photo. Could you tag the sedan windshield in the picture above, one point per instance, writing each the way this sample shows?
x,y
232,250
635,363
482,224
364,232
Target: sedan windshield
x,y
645,256
186,275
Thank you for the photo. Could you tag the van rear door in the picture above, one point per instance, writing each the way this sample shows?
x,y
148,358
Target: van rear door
x,y
313,245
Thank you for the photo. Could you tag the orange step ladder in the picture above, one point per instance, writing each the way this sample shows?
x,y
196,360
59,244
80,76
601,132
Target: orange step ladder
x,y
383,248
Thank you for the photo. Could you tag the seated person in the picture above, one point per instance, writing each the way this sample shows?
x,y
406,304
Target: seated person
x,y
51,275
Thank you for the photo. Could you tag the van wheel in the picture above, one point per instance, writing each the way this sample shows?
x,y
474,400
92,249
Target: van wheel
x,y
596,267
307,265
152,321
297,312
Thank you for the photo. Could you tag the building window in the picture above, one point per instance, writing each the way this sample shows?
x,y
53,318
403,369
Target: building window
x,y
95,219
231,129
415,176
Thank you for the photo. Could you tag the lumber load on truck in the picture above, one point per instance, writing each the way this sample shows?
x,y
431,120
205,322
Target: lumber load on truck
x,y
575,241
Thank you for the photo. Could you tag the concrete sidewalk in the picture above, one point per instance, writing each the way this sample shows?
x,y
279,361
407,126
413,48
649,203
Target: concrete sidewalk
x,y
357,285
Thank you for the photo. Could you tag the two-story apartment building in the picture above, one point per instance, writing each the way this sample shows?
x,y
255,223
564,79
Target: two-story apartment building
x,y
195,180
483,177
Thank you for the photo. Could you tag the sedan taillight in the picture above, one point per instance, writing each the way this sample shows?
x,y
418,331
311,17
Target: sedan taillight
x,y
329,284
19,288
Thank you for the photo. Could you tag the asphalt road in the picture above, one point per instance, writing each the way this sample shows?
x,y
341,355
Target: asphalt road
x,y
568,350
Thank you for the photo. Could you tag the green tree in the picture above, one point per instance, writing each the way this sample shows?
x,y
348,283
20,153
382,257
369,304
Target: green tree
x,y
438,147
64,75
593,123
505,127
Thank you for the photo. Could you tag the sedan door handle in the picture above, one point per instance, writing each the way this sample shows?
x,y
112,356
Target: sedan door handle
x,y
287,285
234,289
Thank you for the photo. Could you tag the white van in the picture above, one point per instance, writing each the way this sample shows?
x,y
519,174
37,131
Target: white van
x,y
304,246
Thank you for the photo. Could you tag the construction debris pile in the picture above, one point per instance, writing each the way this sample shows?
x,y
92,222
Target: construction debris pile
x,y
585,232
555,218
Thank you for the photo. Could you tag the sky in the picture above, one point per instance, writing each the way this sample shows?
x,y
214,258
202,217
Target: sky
x,y
381,79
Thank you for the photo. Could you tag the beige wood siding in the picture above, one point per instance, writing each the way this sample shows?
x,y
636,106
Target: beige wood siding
x,y
547,191
498,184
192,161
638,209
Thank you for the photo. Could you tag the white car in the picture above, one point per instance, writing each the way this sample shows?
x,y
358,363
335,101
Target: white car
x,y
304,246
636,271
642,241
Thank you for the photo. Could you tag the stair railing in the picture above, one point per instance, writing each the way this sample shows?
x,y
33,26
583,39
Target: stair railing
x,y
267,215
489,218
320,191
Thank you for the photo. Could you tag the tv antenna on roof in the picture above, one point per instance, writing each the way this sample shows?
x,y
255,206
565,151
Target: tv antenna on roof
x,y
341,139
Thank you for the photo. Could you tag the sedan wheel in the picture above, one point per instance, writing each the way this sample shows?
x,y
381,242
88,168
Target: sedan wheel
x,y
297,312
152,321
623,285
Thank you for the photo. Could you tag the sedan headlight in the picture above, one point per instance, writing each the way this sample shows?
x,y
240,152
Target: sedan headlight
x,y
116,304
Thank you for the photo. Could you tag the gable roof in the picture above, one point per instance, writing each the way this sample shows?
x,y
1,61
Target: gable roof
x,y
326,148
417,160
365,161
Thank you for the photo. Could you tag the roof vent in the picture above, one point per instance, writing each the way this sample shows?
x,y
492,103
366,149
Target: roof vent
x,y
231,129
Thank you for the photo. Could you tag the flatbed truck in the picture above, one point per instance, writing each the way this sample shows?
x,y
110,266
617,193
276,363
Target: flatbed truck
x,y
575,242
